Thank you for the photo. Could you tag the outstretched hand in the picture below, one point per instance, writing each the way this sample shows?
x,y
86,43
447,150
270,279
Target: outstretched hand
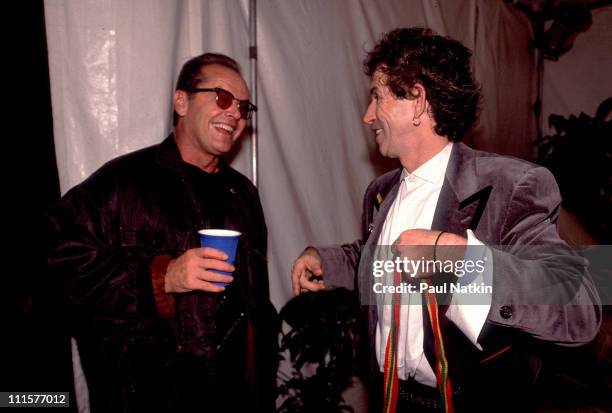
x,y
307,265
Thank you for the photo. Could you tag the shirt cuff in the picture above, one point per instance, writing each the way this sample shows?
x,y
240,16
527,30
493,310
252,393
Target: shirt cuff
x,y
463,311
163,301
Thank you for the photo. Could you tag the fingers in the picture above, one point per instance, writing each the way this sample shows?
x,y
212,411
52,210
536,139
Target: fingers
x,y
301,282
296,274
305,266
198,269
214,264
207,252
310,285
416,237
299,271
212,276
312,261
205,282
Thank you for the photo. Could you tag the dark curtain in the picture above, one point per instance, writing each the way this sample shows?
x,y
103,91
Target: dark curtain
x,y
36,351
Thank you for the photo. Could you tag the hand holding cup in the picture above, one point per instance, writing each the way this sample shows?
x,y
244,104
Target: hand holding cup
x,y
198,269
224,240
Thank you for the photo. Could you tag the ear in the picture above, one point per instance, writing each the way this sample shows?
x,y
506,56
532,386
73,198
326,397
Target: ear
x,y
420,101
181,102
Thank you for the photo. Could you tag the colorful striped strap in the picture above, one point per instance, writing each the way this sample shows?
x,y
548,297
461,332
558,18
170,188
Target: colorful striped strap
x,y
391,384
444,383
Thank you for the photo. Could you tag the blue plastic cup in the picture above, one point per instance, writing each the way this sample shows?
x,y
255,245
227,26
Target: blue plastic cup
x,y
224,240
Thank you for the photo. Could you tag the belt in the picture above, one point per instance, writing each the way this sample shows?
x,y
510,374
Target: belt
x,y
416,397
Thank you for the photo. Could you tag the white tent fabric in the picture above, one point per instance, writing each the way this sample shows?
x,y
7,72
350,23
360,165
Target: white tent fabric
x,y
113,65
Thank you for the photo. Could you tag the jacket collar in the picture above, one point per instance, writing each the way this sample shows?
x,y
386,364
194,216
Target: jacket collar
x,y
449,216
169,156
462,199
452,213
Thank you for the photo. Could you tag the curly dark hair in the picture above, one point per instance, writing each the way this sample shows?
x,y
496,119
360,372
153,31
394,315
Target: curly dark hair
x,y
408,56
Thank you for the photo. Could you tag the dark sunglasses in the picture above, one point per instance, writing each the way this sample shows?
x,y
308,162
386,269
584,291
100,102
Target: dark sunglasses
x,y
225,99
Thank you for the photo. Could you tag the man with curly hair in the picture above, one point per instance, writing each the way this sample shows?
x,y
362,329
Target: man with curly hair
x,y
438,350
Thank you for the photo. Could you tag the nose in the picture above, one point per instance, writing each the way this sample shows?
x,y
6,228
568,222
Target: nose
x,y
233,110
370,115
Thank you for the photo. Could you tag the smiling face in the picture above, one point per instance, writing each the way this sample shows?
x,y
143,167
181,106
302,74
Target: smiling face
x,y
390,118
204,131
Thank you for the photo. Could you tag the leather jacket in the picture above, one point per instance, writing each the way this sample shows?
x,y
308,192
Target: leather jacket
x,y
105,234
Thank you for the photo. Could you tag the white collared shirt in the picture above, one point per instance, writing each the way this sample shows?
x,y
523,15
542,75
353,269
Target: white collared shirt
x,y
414,207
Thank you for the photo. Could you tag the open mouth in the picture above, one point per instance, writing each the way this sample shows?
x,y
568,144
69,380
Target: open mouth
x,y
224,127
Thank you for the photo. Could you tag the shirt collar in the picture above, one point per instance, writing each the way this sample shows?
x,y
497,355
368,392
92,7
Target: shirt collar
x,y
434,169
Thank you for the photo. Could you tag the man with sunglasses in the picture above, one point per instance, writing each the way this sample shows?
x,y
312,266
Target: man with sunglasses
x,y
155,331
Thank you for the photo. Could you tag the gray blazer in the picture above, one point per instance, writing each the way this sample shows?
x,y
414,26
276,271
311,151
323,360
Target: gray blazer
x,y
511,205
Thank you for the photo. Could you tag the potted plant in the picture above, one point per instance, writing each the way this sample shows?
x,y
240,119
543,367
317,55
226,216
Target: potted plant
x,y
322,348
579,155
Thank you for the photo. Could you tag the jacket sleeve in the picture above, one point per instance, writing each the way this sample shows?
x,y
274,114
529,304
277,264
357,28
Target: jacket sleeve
x,y
340,262
540,285
101,283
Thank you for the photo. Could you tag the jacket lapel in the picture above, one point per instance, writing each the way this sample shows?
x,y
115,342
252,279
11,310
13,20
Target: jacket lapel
x,y
461,204
379,202
379,217
462,201
386,192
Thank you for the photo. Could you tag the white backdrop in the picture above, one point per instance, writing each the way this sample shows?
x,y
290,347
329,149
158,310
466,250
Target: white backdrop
x,y
113,65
